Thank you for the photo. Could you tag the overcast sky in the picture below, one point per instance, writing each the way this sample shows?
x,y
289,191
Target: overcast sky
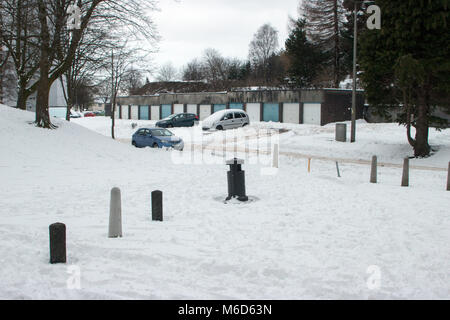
x,y
188,27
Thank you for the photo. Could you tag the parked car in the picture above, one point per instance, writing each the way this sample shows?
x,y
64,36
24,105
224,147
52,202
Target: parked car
x,y
99,113
89,114
226,119
178,120
156,138
75,114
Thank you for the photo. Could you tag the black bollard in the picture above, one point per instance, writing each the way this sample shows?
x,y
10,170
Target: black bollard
x,y
57,243
405,176
157,206
236,180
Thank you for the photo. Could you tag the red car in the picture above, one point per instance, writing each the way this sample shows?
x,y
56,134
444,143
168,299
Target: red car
x,y
89,114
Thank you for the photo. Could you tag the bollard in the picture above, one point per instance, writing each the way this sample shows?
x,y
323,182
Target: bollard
x,y
157,206
115,214
448,178
405,176
373,171
57,243
341,132
309,165
236,180
275,156
337,169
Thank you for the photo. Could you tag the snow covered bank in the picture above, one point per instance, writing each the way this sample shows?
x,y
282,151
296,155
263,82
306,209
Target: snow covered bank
x,y
386,140
308,236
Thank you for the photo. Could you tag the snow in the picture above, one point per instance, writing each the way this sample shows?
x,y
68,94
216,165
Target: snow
x,y
304,235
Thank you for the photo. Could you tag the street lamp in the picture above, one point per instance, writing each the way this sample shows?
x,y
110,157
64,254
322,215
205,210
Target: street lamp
x,y
373,22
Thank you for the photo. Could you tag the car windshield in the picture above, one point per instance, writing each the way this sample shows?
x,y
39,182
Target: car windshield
x,y
169,117
161,133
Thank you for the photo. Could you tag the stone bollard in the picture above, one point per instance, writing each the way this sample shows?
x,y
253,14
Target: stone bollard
x,y
275,156
57,243
373,171
115,214
448,178
157,206
341,132
405,176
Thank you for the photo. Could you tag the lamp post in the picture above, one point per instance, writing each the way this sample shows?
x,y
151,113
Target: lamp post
x,y
373,22
355,42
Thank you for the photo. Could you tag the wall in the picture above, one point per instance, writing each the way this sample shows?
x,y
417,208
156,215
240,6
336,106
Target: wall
x,y
335,103
337,106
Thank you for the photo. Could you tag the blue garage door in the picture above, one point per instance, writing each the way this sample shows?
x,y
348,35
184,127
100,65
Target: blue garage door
x,y
271,112
218,107
166,110
237,106
143,112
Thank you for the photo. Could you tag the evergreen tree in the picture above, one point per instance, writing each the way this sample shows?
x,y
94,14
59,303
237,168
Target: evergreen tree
x,y
407,63
324,24
305,58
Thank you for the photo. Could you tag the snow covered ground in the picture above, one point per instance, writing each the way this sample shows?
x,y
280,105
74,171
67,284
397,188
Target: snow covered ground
x,y
305,235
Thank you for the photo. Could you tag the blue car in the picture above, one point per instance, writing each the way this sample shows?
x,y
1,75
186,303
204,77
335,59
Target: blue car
x,y
156,138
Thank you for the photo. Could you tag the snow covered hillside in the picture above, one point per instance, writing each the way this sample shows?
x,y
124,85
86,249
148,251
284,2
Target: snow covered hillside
x,y
305,235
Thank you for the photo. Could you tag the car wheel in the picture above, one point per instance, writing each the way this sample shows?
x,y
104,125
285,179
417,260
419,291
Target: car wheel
x,y
134,143
245,124
155,145
219,128
169,126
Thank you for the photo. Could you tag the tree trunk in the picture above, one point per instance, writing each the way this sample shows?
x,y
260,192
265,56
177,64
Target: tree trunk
x,y
43,90
42,112
421,146
22,98
113,112
336,46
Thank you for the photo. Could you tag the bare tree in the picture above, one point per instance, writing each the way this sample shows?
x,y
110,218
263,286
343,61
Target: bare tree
x,y
19,29
118,69
167,72
262,48
193,71
215,67
55,47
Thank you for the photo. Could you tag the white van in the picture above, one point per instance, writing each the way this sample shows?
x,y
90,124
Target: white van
x,y
226,119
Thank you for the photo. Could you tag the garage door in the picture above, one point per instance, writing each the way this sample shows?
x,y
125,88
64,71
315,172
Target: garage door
x,y
135,112
218,107
311,113
291,112
205,111
271,112
237,106
155,113
192,108
254,111
178,108
166,110
124,110
143,113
